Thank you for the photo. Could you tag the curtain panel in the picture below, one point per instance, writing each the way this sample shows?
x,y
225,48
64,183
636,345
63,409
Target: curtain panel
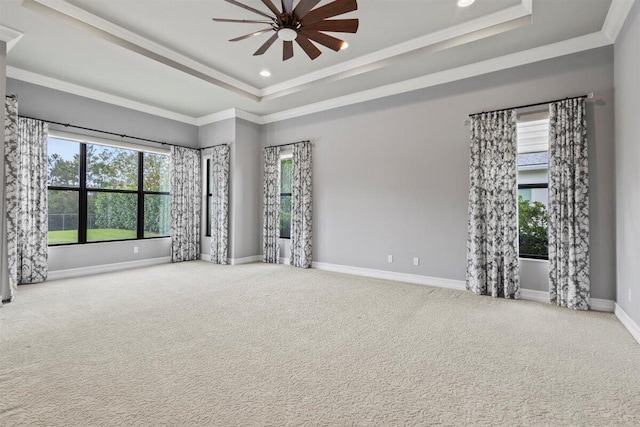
x,y
492,243
569,284
271,206
185,204
219,209
7,286
301,206
26,198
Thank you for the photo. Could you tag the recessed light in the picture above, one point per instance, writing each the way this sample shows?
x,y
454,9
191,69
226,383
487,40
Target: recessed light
x,y
265,73
344,45
465,3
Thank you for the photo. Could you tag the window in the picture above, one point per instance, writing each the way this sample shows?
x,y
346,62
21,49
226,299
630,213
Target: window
x,y
100,193
209,196
533,187
285,198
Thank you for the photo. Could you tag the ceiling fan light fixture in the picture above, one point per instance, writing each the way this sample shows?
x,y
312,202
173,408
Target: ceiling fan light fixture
x,y
465,3
287,34
344,46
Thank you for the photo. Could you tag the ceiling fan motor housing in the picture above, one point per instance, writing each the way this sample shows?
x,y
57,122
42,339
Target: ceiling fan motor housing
x,y
287,34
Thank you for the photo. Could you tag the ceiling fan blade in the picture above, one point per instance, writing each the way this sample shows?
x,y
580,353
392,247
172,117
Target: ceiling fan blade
x,y
334,25
309,48
267,45
241,21
255,33
324,39
287,51
287,6
304,7
330,10
272,7
244,6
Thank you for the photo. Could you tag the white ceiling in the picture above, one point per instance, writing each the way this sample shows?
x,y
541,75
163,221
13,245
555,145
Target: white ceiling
x,y
402,43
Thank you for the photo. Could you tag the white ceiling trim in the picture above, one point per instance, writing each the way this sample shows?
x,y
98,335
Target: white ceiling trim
x,y
566,47
10,36
120,36
485,26
614,22
590,41
498,22
52,83
217,117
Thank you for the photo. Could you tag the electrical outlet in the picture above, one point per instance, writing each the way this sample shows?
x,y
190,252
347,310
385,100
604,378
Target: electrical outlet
x,y
629,295
390,258
416,261
135,249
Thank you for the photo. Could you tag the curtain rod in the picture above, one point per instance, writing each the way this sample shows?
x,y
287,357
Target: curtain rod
x,y
121,135
285,145
12,96
589,96
214,146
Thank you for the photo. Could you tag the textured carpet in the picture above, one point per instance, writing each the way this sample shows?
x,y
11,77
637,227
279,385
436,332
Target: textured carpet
x,y
198,344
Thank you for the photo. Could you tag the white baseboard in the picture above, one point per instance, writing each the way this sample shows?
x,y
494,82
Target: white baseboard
x,y
236,261
285,261
628,323
390,275
525,294
247,260
597,304
105,268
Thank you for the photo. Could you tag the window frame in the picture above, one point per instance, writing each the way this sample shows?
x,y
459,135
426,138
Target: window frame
x,y
282,159
533,256
208,198
83,192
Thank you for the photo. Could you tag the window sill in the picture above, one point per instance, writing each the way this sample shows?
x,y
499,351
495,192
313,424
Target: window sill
x,y
546,260
107,241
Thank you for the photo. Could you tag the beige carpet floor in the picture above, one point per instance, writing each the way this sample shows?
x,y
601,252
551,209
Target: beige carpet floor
x,y
198,344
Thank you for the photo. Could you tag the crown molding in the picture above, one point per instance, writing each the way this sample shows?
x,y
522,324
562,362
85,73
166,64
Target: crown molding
x,y
216,117
10,36
231,113
614,22
250,117
466,32
476,29
566,47
53,83
106,30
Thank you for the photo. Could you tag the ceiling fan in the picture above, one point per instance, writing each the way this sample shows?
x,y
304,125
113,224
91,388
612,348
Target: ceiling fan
x,y
303,24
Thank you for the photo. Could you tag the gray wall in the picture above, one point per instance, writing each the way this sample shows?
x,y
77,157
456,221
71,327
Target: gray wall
x,y
4,278
247,191
627,71
244,185
391,175
223,132
48,104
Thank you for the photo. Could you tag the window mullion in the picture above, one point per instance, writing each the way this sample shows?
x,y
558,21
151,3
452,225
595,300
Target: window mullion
x,y
83,200
140,221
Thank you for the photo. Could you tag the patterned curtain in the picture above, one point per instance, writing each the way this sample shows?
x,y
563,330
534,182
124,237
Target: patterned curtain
x,y
271,206
492,243
219,209
185,204
568,205
301,206
8,287
26,200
